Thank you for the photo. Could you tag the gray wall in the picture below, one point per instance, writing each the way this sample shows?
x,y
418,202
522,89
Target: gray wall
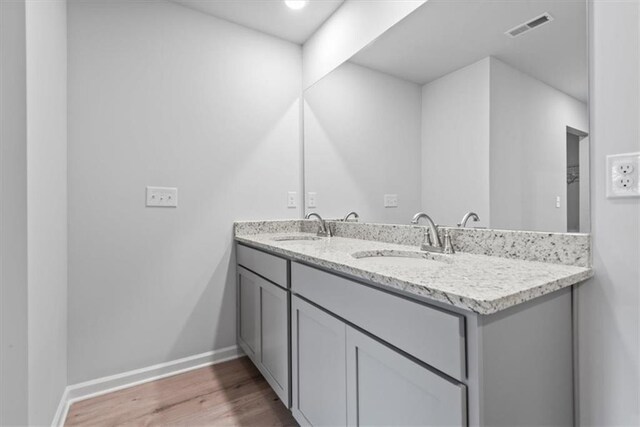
x,y
47,205
362,141
609,304
456,144
510,154
163,95
527,176
331,45
13,214
33,211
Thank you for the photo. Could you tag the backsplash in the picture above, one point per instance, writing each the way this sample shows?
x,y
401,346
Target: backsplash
x,y
388,233
243,228
556,248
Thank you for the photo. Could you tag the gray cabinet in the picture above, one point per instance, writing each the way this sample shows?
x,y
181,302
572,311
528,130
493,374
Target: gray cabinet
x,y
343,377
270,267
274,338
341,352
249,313
412,326
263,329
319,366
384,387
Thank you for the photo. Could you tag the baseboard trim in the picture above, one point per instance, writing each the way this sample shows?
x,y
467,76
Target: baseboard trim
x,y
63,408
88,389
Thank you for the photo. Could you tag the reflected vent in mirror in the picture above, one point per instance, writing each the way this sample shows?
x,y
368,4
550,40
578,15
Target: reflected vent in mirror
x,y
520,29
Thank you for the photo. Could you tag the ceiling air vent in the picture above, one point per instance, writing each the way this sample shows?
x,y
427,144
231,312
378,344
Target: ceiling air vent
x,y
536,22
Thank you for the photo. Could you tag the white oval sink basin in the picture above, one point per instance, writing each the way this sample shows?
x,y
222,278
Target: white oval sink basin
x,y
295,238
402,258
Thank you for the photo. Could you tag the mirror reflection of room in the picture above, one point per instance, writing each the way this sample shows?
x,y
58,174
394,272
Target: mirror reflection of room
x,y
449,112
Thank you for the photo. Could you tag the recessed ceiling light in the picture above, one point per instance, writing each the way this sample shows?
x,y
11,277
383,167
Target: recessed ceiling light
x,y
295,4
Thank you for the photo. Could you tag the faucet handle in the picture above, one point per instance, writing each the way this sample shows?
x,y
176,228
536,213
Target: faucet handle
x,y
427,238
448,246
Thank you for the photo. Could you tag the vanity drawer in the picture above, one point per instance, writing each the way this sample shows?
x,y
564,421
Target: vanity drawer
x,y
435,336
268,266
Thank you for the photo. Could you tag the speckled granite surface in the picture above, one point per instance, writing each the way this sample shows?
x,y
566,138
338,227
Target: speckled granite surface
x,y
557,248
479,283
241,228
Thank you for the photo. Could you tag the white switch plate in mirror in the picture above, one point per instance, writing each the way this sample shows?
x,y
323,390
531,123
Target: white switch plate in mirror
x,y
390,200
311,200
622,175
292,199
164,197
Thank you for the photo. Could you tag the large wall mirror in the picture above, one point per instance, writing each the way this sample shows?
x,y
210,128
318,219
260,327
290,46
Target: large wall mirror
x,y
462,106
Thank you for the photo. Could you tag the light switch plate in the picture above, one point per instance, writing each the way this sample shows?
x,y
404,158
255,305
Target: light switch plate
x,y
390,200
163,197
623,175
292,199
311,200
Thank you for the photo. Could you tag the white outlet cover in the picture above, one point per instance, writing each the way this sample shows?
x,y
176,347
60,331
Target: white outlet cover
x,y
622,175
162,197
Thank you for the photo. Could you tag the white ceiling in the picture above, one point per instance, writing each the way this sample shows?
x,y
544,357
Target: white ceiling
x,y
444,35
270,16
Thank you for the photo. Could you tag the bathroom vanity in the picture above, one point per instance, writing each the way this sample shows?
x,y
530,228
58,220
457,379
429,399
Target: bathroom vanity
x,y
358,329
363,327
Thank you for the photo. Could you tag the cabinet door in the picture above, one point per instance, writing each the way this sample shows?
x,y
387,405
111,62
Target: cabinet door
x,y
387,388
274,338
319,370
263,329
249,314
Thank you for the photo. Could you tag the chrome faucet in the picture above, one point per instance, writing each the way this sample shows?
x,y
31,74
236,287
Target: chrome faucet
x,y
431,238
351,214
323,230
467,216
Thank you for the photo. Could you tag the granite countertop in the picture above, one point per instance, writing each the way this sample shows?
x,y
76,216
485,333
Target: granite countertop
x,y
478,283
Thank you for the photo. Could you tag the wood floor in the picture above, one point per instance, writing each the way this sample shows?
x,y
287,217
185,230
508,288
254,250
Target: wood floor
x,y
227,394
